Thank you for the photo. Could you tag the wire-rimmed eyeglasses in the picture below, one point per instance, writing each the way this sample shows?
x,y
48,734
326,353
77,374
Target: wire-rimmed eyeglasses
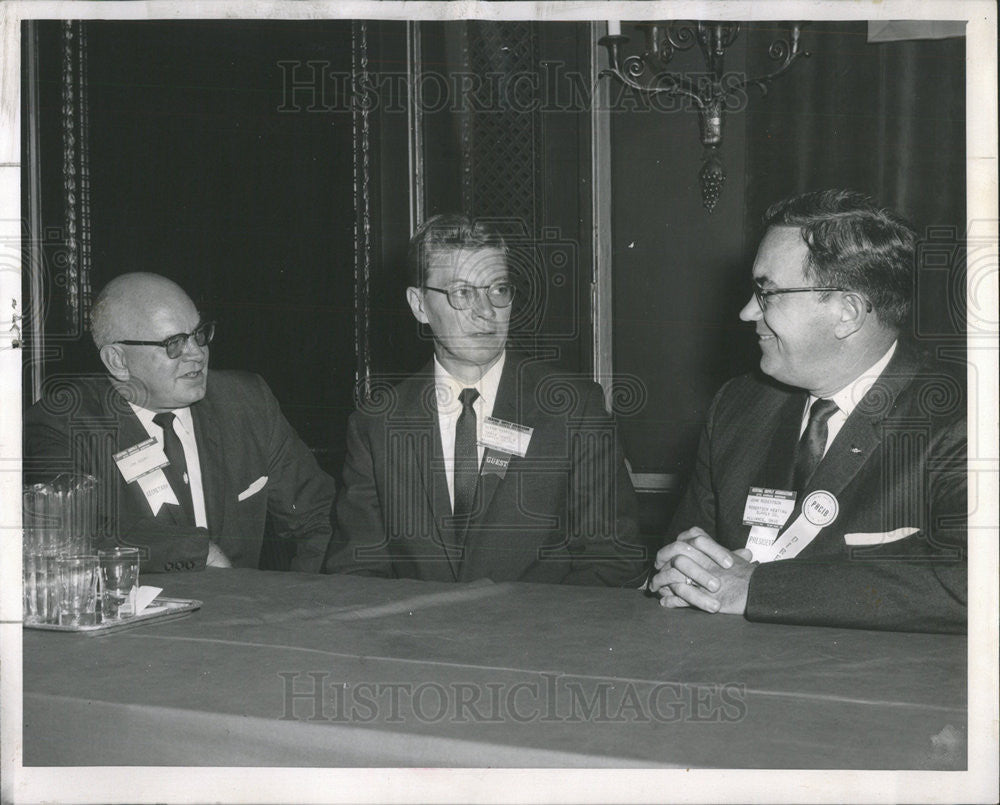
x,y
174,345
462,297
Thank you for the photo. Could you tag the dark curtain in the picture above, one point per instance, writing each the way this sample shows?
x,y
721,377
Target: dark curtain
x,y
885,118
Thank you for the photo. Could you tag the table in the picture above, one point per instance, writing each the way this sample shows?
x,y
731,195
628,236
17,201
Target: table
x,y
285,669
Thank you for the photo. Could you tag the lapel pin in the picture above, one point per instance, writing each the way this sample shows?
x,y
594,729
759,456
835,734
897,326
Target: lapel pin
x,y
855,449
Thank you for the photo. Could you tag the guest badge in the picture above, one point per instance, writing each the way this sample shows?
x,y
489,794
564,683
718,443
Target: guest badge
x,y
143,463
505,437
495,463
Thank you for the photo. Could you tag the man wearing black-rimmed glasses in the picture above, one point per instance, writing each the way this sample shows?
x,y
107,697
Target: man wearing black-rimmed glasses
x,y
191,465
486,464
832,489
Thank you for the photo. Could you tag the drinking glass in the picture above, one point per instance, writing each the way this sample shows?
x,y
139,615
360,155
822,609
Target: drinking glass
x,y
119,582
78,584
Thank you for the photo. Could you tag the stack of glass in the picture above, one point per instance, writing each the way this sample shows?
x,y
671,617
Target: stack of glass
x,y
60,520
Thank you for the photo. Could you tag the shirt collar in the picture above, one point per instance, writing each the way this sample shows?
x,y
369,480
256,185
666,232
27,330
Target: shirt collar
x,y
847,398
448,387
145,416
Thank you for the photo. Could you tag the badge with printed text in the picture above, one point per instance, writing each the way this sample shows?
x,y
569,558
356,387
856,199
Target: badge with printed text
x,y
495,463
768,508
820,508
140,459
505,437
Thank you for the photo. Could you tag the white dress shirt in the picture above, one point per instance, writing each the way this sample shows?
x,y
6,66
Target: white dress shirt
x,y
447,389
184,428
847,398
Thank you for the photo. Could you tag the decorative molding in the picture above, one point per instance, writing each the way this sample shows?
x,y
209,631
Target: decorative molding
x,y
361,118
75,278
415,118
601,309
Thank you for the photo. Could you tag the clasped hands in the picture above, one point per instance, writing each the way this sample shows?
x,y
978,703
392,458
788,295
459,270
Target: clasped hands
x,y
697,571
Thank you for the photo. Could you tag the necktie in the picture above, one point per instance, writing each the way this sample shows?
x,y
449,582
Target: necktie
x,y
177,471
811,446
466,454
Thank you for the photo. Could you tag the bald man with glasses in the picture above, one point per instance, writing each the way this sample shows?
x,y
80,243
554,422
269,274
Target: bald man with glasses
x,y
831,489
193,467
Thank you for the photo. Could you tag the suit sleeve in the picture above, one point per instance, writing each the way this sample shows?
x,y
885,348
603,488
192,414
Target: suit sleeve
x,y
698,504
918,584
52,446
360,545
603,510
300,494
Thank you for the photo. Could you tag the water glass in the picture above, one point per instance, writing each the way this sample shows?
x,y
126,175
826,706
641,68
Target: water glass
x,y
78,585
41,588
119,582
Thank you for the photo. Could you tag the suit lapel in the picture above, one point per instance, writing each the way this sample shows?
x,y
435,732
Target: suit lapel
x,y
861,436
418,410
130,432
211,461
510,406
770,456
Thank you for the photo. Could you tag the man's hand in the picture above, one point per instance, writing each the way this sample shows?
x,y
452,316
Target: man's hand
x,y
697,571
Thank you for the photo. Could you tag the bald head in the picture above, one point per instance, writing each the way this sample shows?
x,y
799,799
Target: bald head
x,y
127,305
150,309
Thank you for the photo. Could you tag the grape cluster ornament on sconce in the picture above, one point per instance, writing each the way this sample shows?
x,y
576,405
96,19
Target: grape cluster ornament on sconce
x,y
712,95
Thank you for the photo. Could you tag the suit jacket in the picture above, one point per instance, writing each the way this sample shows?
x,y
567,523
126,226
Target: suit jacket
x,y
565,512
899,462
242,438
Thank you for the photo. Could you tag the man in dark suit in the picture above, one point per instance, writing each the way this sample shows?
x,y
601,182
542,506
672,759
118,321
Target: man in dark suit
x,y
190,466
833,490
484,465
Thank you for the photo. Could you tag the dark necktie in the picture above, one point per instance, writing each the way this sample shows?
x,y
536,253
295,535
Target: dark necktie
x,y
811,446
177,471
466,454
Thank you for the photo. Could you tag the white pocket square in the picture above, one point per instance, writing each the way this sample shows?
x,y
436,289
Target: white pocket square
x,y
879,537
253,489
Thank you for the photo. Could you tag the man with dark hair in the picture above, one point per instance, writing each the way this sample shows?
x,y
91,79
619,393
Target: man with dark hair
x,y
191,465
833,490
472,469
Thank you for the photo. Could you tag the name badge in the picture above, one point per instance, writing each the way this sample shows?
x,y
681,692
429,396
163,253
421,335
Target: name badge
x,y
505,437
157,490
495,463
140,459
768,508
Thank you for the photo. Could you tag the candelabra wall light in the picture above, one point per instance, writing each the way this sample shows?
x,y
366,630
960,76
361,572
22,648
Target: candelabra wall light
x,y
711,93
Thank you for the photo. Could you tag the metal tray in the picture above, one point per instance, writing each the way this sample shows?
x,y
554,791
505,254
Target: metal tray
x,y
163,609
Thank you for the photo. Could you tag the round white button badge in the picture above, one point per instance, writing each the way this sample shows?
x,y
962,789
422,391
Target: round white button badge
x,y
820,508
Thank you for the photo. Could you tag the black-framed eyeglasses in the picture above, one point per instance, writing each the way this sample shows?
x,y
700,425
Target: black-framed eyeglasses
x,y
764,294
462,297
202,335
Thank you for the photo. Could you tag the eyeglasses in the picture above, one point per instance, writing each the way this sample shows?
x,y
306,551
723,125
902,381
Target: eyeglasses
x,y
174,345
462,297
764,294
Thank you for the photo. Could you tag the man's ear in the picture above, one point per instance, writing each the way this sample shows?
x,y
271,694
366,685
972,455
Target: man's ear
x,y
854,311
113,358
415,298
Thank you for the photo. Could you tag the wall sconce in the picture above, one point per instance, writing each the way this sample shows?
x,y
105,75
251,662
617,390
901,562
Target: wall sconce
x,y
711,94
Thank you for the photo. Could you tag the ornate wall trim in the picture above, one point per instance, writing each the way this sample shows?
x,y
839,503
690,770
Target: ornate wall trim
x,y
361,116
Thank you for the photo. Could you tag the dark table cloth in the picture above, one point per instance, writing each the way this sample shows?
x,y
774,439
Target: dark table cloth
x,y
300,670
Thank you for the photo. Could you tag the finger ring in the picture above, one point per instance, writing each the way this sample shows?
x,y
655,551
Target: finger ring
x,y
687,580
